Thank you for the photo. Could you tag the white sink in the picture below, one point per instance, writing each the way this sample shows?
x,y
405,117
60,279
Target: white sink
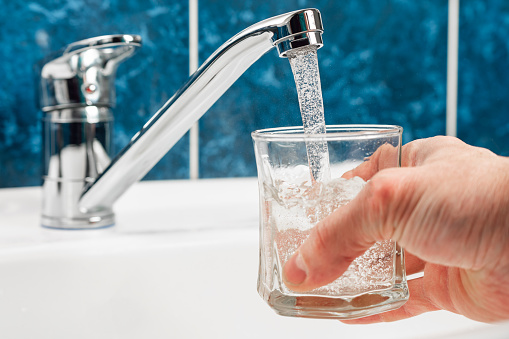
x,y
182,262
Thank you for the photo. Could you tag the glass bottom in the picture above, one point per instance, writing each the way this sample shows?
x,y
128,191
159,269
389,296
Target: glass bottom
x,y
336,307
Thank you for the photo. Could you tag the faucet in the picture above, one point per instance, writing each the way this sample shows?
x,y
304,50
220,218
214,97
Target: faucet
x,y
79,190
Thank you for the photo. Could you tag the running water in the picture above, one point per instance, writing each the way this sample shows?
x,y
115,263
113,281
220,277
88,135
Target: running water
x,y
305,70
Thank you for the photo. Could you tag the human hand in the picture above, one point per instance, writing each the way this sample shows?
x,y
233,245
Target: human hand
x,y
448,207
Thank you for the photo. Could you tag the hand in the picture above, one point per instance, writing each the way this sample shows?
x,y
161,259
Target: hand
x,y
448,206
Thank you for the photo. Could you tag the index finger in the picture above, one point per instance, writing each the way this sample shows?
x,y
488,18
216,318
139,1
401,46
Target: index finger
x,y
386,156
412,154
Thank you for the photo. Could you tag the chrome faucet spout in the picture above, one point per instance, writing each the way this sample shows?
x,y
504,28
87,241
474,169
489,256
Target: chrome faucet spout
x,y
285,32
203,89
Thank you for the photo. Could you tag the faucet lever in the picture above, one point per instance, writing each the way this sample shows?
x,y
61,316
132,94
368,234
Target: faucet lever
x,y
83,72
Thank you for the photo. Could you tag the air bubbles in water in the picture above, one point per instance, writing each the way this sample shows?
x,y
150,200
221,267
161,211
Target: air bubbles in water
x,y
304,63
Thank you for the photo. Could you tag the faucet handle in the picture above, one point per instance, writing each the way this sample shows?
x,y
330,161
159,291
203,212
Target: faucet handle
x,y
83,73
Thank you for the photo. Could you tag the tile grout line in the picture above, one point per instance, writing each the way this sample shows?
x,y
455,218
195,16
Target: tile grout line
x,y
452,68
194,135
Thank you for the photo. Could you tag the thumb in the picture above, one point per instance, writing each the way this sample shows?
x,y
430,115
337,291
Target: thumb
x,y
343,236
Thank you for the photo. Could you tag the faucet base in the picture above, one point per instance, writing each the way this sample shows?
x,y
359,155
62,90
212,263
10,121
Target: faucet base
x,y
87,223
60,207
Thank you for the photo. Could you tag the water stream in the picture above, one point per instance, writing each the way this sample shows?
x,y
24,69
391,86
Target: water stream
x,y
304,63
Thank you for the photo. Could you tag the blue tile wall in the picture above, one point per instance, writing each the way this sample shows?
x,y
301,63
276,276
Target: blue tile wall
x,y
483,74
384,61
30,30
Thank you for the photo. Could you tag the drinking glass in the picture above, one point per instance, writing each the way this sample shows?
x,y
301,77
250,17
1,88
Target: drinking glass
x,y
292,202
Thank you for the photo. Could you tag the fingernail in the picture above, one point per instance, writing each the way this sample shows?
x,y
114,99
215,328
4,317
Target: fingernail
x,y
295,270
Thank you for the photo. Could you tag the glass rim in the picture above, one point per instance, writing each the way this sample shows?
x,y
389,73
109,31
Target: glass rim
x,y
333,132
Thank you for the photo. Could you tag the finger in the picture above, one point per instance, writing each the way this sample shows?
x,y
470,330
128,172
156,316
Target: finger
x,y
413,264
412,154
419,151
432,292
418,303
384,157
346,234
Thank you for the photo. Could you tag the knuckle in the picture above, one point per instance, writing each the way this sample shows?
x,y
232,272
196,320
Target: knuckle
x,y
381,191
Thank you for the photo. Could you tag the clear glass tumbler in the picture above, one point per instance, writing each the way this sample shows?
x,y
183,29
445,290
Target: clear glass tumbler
x,y
292,202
